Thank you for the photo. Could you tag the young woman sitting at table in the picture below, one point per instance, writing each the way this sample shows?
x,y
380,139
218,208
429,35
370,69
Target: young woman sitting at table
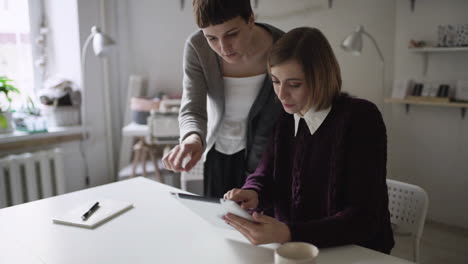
x,y
324,169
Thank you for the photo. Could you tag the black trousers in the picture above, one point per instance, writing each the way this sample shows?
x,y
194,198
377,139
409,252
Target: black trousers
x,y
223,172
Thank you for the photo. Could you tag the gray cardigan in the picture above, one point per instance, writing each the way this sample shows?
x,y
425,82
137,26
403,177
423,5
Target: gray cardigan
x,y
203,100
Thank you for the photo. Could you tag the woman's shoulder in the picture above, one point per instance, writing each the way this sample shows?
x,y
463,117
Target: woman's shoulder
x,y
275,32
356,105
196,46
197,39
359,112
284,120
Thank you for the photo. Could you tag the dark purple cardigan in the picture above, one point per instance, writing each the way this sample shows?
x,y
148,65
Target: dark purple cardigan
x,y
329,188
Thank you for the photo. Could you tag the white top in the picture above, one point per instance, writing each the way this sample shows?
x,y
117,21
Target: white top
x,y
157,230
240,94
313,119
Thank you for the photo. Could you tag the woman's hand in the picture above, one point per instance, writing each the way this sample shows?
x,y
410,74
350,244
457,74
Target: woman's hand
x,y
191,148
247,198
264,230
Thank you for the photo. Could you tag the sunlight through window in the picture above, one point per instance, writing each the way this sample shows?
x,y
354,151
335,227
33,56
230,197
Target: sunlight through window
x,y
16,61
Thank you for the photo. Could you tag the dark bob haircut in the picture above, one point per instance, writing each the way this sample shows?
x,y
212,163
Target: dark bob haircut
x,y
215,12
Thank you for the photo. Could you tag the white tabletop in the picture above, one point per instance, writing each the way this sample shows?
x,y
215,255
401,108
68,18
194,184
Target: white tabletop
x,y
157,230
138,130
135,130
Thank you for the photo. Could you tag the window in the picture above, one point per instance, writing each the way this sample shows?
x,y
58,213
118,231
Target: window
x,y
16,50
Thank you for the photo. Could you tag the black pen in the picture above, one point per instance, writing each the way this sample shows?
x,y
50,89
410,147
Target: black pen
x,y
90,211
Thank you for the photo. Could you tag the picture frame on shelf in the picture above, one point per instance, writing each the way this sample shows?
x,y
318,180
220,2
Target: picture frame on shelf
x,y
430,91
461,91
402,88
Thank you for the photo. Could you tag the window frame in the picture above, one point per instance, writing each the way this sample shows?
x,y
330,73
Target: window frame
x,y
37,17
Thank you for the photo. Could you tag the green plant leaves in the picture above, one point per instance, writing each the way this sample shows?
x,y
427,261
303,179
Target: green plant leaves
x,y
3,121
6,88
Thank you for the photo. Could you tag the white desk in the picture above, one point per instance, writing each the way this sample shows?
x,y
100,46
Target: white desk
x,y
157,230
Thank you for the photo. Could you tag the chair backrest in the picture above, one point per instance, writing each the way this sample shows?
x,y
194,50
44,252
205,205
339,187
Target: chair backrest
x,y
408,206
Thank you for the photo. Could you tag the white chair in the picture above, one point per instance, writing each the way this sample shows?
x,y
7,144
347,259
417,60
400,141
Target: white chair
x,y
408,208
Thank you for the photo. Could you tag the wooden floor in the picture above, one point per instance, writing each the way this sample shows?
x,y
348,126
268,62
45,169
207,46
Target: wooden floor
x,y
440,244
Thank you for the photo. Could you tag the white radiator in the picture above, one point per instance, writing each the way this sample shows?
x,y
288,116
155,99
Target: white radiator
x,y
31,176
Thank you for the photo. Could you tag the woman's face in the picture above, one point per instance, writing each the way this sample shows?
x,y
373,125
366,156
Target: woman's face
x,y
291,87
231,39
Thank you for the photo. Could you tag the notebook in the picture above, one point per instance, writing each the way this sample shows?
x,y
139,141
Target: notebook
x,y
107,210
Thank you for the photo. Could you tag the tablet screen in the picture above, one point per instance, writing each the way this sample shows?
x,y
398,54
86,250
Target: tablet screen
x,y
212,209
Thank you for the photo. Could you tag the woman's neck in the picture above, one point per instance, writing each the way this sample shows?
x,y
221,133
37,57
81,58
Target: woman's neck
x,y
261,41
254,61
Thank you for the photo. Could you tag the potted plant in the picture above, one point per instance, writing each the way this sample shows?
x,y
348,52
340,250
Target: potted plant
x,y
6,124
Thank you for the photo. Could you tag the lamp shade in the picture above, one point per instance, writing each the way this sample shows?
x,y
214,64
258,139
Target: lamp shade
x,y
101,42
353,42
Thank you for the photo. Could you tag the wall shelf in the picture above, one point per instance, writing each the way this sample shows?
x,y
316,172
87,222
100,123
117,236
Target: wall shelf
x,y
426,50
438,49
408,102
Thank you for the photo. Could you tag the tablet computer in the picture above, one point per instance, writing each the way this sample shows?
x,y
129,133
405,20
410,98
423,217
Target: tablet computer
x,y
212,210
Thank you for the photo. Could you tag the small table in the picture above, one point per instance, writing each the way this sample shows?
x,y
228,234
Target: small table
x,y
146,144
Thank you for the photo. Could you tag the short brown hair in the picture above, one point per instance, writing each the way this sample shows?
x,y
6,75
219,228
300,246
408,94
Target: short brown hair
x,y
215,12
310,48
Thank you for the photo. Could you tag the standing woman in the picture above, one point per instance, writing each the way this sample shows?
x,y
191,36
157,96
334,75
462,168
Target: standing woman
x,y
228,105
324,169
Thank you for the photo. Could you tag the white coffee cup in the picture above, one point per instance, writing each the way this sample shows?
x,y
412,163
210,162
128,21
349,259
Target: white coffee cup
x,y
296,253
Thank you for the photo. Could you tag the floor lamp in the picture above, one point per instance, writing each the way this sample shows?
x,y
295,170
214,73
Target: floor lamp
x,y
101,44
353,44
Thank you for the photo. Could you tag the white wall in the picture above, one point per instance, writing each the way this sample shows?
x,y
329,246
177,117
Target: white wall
x,y
96,145
70,22
158,29
429,145
362,76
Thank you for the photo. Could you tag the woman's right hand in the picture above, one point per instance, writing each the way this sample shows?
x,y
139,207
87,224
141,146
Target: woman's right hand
x,y
248,198
191,148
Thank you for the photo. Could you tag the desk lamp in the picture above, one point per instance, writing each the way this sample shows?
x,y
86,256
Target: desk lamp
x,y
101,44
353,44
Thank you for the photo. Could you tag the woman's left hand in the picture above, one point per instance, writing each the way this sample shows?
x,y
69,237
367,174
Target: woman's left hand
x,y
264,230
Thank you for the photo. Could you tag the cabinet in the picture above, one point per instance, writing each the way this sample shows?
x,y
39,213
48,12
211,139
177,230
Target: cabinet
x,y
425,52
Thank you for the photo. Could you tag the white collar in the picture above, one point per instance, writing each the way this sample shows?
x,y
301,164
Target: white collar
x,y
313,119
